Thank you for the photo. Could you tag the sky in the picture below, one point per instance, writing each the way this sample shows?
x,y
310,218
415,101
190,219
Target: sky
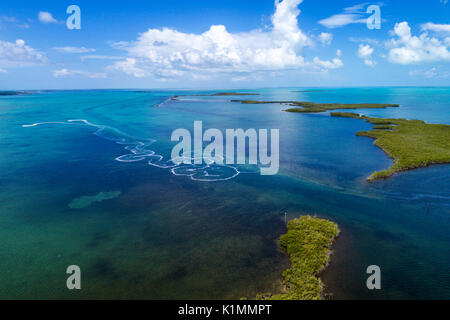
x,y
223,44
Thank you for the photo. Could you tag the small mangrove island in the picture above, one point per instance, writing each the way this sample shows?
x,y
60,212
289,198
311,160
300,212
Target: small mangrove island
x,y
311,107
308,244
410,143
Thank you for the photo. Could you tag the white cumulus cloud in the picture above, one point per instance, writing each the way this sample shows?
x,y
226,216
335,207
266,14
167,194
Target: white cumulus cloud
x,y
46,17
433,73
129,67
430,26
365,52
74,49
170,53
326,38
18,54
68,73
333,64
408,49
99,57
354,14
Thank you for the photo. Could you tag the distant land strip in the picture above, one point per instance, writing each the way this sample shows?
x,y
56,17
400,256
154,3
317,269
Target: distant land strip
x,y
14,93
218,94
311,107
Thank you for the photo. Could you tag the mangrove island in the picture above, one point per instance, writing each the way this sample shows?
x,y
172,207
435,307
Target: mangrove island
x,y
311,107
410,143
308,244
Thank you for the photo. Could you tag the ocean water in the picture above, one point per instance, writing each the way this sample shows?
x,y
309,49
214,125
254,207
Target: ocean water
x,y
85,180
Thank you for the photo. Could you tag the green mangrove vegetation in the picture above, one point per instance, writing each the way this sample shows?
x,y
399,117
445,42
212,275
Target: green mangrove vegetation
x,y
311,107
308,244
410,143
346,115
260,102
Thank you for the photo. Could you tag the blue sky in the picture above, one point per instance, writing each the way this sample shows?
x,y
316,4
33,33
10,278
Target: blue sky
x,y
223,44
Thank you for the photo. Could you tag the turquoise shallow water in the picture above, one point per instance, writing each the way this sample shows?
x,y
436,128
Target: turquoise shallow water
x,y
167,236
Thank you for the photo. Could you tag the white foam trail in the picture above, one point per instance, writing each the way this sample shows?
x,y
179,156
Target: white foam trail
x,y
163,103
139,151
40,123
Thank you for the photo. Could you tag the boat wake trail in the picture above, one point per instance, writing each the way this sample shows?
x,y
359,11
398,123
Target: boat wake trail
x,y
140,150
